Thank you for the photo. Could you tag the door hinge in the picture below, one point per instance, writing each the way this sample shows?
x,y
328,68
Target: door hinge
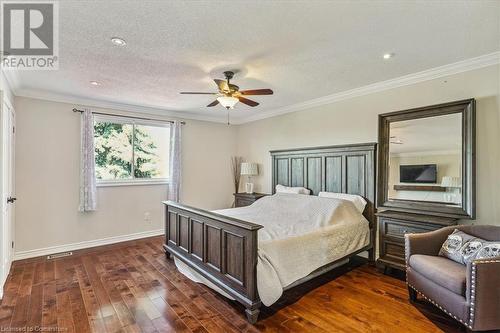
x,y
12,244
13,130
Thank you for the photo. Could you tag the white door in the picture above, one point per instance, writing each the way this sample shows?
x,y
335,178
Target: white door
x,y
8,193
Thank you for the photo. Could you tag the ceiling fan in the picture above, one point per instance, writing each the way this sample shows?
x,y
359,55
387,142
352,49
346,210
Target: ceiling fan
x,y
229,94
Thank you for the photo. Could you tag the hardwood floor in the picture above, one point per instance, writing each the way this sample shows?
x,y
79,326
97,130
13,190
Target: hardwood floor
x,y
131,287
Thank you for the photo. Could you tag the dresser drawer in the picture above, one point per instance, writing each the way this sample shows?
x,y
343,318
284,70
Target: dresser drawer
x,y
243,202
393,233
398,229
393,251
392,229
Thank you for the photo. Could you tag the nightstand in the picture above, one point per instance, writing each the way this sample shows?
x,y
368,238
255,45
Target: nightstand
x,y
246,199
392,229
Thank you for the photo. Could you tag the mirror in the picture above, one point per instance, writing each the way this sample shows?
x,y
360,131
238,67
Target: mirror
x,y
426,161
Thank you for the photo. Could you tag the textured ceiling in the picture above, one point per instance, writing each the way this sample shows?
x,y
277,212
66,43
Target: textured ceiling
x,y
302,50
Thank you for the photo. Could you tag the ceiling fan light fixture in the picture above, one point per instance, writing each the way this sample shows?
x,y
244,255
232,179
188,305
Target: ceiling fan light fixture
x,y
227,101
229,94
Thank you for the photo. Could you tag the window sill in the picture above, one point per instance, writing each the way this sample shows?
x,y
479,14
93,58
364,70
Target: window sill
x,y
131,183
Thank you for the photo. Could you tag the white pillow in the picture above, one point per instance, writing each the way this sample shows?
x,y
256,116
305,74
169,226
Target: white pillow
x,y
294,190
358,201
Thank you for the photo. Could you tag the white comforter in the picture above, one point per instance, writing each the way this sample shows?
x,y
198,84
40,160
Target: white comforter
x,y
301,233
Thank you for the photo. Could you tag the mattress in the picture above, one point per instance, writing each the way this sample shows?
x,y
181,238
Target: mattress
x,y
301,234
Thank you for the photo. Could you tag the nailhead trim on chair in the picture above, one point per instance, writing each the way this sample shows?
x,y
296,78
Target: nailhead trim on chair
x,y
482,261
406,248
472,293
439,306
473,287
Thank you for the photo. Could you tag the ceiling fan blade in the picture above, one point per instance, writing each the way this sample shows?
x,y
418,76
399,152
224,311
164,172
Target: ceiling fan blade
x,y
247,101
222,84
214,103
257,92
196,93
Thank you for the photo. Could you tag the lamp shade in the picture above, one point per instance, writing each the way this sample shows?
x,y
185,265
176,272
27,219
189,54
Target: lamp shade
x,y
227,101
249,169
449,181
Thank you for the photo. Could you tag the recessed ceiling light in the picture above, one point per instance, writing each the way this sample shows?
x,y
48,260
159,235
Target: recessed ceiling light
x,y
388,56
95,83
118,41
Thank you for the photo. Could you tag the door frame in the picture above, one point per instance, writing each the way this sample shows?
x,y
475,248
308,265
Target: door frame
x,y
6,226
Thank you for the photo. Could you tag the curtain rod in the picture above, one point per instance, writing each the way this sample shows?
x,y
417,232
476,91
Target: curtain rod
x,y
118,115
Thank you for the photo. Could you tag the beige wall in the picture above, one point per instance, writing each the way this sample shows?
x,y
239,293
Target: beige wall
x,y
47,158
355,121
47,174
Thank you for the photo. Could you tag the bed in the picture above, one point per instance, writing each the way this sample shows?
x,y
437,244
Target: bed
x,y
242,253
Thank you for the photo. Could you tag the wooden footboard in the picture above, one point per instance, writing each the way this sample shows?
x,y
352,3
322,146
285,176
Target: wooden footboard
x,y
220,248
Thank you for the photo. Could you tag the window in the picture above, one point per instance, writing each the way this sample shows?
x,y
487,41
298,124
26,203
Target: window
x,y
129,151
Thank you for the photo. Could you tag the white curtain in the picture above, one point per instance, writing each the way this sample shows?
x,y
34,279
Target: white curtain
x,y
87,163
174,185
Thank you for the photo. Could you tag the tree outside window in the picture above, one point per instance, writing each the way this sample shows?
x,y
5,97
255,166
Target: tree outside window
x,y
128,151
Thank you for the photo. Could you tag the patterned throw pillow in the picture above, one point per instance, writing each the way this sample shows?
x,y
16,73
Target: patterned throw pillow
x,y
464,248
489,250
453,244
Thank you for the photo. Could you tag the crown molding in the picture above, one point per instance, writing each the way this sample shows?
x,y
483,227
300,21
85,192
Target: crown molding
x,y
12,79
8,87
426,75
69,99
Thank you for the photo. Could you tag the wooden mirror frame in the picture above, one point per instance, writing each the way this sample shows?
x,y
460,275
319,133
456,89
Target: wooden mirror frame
x,y
467,209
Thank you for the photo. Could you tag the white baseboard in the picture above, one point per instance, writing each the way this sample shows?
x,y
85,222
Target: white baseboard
x,y
86,244
6,271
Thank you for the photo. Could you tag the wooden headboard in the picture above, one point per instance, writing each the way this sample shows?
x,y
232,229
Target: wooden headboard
x,y
342,169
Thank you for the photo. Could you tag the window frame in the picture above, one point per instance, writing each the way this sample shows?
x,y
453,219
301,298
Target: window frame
x,y
133,181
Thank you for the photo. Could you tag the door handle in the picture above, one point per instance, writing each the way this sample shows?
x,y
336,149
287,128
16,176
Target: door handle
x,y
11,199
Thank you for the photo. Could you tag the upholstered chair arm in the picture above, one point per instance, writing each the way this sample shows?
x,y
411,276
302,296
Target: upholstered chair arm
x,y
483,293
428,243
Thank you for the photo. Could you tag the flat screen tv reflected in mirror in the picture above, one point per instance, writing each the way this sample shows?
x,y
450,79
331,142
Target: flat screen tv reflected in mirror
x,y
423,173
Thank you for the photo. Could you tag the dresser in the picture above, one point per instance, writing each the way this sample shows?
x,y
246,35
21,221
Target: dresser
x,y
394,225
246,199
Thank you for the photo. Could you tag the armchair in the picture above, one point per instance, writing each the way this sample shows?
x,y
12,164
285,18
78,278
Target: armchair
x,y
469,294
